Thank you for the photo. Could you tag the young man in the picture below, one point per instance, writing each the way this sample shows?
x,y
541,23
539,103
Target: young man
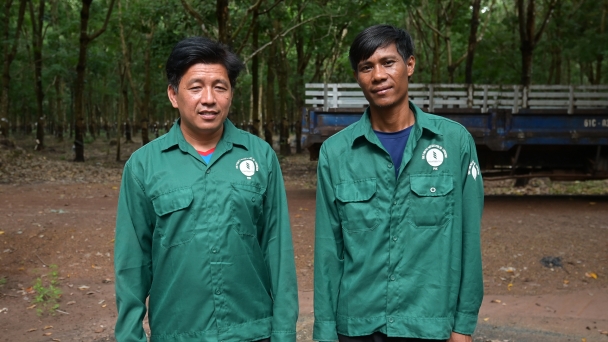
x,y
202,227
399,202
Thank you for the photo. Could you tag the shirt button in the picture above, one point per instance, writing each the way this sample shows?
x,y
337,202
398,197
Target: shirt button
x,y
395,203
214,251
392,278
252,199
208,171
395,238
391,319
217,292
433,189
390,165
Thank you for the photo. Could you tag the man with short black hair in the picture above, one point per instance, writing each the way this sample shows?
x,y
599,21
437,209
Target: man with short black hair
x,y
399,203
202,227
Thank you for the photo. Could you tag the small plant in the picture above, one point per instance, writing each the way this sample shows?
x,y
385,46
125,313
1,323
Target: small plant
x,y
3,281
47,292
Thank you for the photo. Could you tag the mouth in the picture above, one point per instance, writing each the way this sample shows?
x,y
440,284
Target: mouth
x,y
208,115
381,90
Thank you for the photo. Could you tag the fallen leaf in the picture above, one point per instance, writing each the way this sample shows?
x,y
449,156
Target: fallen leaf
x,y
31,307
30,290
591,275
106,281
566,281
297,216
509,287
1,232
604,332
495,301
90,292
83,287
99,330
114,188
71,302
33,329
96,267
48,327
103,306
47,334
56,340
486,319
583,339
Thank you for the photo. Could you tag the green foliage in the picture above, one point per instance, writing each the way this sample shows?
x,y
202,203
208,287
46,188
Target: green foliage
x,y
3,280
572,49
47,292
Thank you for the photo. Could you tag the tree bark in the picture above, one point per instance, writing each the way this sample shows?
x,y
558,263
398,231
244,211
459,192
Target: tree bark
x,y
223,21
9,55
468,73
37,24
528,36
85,39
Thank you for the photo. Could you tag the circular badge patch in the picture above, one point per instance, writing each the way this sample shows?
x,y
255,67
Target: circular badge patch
x,y
434,157
247,168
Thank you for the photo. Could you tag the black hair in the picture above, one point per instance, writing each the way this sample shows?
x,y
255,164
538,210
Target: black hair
x,y
195,50
380,36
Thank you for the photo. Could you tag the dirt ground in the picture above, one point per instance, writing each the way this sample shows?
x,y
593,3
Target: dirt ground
x,y
54,212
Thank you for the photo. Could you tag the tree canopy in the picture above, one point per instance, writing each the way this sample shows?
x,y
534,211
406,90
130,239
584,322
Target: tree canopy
x,y
61,74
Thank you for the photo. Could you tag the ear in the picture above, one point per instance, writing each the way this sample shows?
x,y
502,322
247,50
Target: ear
x,y
172,96
411,65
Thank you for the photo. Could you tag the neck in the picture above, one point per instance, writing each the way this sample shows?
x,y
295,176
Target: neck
x,y
203,143
391,119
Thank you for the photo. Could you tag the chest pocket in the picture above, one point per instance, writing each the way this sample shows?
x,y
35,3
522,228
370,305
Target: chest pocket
x,y
358,205
246,204
431,204
174,220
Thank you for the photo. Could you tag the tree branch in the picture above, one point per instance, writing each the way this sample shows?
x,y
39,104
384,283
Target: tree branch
x,y
545,21
105,23
283,35
429,25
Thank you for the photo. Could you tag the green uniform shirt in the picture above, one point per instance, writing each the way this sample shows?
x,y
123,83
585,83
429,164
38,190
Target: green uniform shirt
x,y
400,256
209,245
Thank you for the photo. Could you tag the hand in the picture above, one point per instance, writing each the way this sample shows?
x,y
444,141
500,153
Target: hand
x,y
456,337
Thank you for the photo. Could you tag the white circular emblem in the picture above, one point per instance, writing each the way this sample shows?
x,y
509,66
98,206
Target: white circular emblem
x,y
247,168
434,157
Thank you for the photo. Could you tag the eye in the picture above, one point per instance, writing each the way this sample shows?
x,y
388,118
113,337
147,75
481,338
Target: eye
x,y
365,68
389,63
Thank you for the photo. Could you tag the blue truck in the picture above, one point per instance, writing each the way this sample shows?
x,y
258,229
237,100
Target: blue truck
x,y
560,132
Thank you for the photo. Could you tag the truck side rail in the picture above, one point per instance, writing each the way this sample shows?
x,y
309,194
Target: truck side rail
x,y
479,97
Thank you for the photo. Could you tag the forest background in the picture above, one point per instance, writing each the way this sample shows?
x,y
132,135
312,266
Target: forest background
x,y
84,68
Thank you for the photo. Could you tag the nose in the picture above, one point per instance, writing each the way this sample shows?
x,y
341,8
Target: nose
x,y
378,73
207,96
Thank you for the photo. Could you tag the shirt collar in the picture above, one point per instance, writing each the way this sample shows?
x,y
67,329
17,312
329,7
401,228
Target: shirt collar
x,y
230,136
363,127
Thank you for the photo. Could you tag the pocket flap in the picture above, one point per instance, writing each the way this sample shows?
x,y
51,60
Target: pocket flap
x,y
173,201
356,191
431,185
251,187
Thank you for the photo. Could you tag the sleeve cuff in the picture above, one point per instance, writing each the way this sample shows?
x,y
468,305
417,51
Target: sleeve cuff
x,y
324,331
464,323
283,336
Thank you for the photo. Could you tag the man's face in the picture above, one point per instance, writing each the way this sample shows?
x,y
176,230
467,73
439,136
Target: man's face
x,y
203,99
383,77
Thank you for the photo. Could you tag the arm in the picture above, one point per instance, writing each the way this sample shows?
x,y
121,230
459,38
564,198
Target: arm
x,y
471,282
329,259
277,245
132,259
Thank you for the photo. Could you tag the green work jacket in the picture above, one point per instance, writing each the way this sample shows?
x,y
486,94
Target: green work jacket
x,y
399,256
208,245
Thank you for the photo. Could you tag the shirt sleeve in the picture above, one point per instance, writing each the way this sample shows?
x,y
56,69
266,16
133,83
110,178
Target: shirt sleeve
x,y
329,258
471,281
132,257
277,245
